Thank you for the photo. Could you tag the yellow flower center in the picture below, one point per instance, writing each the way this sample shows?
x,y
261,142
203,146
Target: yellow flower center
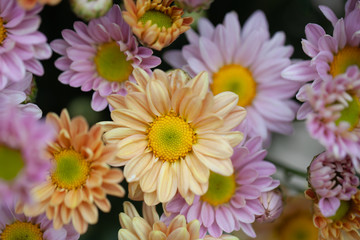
x,y
342,211
156,17
22,231
343,59
71,170
3,31
111,63
170,137
299,227
237,79
221,189
350,114
11,163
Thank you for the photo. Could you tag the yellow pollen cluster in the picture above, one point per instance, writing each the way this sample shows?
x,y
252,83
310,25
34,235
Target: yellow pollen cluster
x,y
22,230
170,137
343,59
71,170
3,34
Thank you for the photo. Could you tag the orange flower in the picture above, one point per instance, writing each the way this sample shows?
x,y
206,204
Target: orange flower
x,y
155,22
171,131
80,177
29,4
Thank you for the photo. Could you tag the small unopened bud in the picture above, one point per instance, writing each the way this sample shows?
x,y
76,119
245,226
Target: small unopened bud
x,y
89,9
273,205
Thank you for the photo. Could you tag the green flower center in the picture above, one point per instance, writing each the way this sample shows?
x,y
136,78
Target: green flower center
x,y
111,63
236,79
351,113
156,17
22,231
342,211
11,162
71,171
221,189
343,59
170,137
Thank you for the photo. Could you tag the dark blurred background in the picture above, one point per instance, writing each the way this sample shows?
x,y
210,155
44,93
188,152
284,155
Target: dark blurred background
x,y
289,16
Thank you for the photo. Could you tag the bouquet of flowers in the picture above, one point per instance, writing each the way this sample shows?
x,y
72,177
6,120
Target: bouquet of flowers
x,y
175,138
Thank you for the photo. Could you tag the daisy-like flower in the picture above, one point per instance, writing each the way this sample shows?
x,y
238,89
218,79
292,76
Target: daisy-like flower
x,y
80,177
23,142
231,202
246,62
148,227
330,55
334,115
21,93
193,5
171,132
156,23
333,180
273,205
30,4
21,45
344,225
18,226
101,56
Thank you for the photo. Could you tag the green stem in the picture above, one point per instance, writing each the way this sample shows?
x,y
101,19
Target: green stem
x,y
287,169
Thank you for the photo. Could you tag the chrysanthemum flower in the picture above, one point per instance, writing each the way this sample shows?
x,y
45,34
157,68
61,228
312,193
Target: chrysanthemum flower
x,y
15,226
333,180
344,225
155,22
273,206
21,45
334,114
23,141
80,177
231,202
330,55
171,132
193,5
222,237
30,4
101,56
88,10
246,62
148,227
21,94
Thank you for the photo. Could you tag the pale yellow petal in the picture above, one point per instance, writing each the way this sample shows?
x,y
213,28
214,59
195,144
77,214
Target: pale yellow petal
x,y
183,173
130,210
131,146
130,119
158,97
209,123
232,137
141,227
167,183
161,76
157,235
190,107
193,228
160,226
113,189
213,146
200,172
150,214
43,191
116,101
138,103
89,212
200,84
141,77
125,234
179,234
197,188
225,102
233,119
148,182
138,166
135,192
108,125
151,198
118,133
178,222
177,98
223,167
125,221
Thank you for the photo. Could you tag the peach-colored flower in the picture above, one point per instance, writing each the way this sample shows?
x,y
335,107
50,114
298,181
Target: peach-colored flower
x,y
170,132
134,227
155,22
30,4
344,225
80,177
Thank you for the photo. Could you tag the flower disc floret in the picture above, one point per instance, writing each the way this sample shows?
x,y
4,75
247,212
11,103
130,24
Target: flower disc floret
x,y
21,230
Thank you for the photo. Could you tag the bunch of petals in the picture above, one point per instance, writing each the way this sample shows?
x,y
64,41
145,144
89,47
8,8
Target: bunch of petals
x,y
333,180
156,23
171,132
18,93
19,226
23,142
80,177
193,5
239,59
101,56
334,120
231,203
273,205
149,227
21,45
330,55
30,4
344,225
